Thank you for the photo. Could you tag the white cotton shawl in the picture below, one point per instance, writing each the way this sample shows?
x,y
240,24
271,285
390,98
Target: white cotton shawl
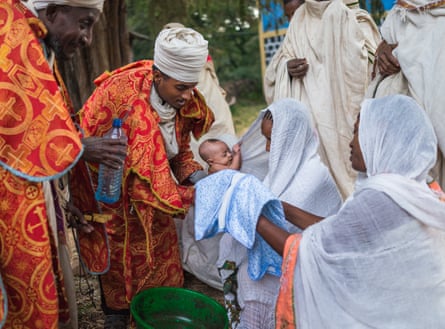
x,y
399,148
167,115
329,36
380,262
420,51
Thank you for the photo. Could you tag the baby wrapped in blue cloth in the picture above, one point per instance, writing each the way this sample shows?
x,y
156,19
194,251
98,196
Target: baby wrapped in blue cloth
x,y
231,201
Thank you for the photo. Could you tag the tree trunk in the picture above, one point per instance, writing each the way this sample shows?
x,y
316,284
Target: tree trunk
x,y
109,50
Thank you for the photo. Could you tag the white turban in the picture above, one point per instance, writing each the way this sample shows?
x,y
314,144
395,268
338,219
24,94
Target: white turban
x,y
172,25
95,4
181,53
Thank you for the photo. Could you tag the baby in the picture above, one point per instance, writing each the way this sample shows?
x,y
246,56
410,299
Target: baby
x,y
218,155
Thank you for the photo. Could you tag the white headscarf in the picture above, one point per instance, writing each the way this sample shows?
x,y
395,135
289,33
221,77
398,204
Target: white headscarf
x,y
296,173
399,148
41,4
181,53
293,170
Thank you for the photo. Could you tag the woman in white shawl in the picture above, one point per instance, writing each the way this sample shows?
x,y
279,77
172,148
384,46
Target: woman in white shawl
x,y
380,262
295,175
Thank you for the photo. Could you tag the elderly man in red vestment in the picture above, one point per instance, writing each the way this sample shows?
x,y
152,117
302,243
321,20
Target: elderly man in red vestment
x,y
160,107
38,145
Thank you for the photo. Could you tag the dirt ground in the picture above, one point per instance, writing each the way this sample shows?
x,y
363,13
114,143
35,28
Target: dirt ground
x,y
90,313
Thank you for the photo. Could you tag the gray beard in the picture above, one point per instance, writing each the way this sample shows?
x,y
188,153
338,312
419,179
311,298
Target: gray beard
x,y
54,44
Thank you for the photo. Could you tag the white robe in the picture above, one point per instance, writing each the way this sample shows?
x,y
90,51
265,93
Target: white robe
x,y
421,53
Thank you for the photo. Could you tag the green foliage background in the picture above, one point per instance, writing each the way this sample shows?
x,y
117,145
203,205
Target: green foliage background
x,y
230,26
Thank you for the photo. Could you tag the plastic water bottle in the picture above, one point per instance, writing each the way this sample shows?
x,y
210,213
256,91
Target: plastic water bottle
x,y
110,180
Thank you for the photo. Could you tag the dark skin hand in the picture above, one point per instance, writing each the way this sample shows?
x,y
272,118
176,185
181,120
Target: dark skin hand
x,y
387,63
103,150
107,151
75,219
297,68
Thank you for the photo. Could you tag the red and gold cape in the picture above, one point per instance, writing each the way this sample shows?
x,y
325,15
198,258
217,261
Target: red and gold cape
x,y
38,140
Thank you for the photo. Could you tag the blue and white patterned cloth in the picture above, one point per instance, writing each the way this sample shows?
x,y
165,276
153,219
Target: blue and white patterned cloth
x,y
230,201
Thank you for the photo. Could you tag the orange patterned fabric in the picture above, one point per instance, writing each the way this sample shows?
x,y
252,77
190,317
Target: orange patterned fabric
x,y
428,6
38,140
3,303
285,316
26,255
434,186
143,240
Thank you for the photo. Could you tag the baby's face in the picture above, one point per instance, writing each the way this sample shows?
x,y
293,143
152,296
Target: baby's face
x,y
222,154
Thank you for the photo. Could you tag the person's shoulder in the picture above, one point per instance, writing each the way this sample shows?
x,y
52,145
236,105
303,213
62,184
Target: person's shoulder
x,y
143,67
369,193
372,199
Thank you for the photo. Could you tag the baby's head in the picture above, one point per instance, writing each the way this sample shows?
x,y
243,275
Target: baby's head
x,y
215,151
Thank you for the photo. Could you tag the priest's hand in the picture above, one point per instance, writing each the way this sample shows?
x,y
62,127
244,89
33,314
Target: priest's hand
x,y
104,150
75,219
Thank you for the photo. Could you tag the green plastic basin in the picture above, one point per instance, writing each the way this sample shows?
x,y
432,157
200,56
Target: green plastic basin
x,y
177,308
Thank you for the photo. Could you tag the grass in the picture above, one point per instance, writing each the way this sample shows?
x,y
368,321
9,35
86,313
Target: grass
x,y
245,111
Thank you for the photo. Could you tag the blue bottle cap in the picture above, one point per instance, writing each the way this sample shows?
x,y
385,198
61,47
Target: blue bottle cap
x,y
117,123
